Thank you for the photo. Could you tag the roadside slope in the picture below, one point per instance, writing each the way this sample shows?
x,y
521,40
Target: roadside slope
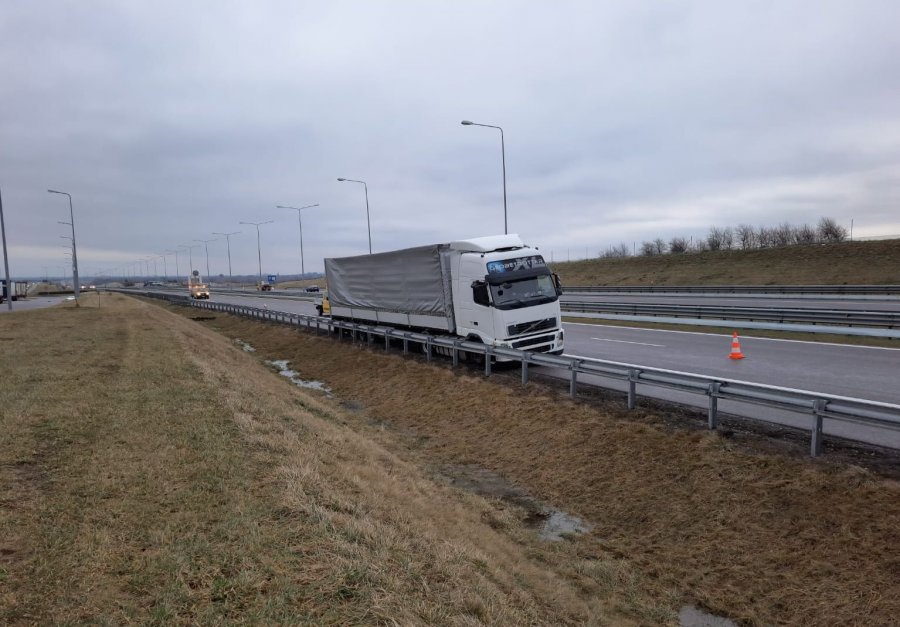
x,y
847,263
153,472
759,537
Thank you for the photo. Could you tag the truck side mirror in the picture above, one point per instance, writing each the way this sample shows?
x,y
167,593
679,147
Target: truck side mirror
x,y
480,293
558,284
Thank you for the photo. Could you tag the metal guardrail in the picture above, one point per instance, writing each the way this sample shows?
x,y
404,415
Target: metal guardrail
x,y
844,317
740,289
817,406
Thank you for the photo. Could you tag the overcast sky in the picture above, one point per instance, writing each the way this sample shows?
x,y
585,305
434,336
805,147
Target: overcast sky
x,y
623,121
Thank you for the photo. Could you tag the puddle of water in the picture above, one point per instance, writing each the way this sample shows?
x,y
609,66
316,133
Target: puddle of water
x,y
558,524
551,524
282,366
247,348
690,616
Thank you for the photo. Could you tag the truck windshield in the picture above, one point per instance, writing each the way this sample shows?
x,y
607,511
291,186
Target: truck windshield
x,y
523,292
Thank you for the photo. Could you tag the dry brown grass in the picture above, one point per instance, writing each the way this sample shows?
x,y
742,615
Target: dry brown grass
x,y
152,472
759,537
853,263
282,285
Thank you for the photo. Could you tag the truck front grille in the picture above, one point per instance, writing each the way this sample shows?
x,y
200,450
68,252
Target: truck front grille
x,y
530,327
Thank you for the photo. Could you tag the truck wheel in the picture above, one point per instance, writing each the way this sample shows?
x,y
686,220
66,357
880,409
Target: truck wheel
x,y
475,358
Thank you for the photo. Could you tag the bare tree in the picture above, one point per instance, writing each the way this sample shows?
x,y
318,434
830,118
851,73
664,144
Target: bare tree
x,y
783,234
650,249
746,236
660,245
805,234
678,245
830,231
616,252
714,238
727,238
765,237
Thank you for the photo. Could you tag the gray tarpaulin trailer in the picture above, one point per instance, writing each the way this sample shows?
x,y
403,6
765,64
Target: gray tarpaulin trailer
x,y
494,290
408,287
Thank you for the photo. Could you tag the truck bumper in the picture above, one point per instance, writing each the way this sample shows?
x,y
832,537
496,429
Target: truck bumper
x,y
539,343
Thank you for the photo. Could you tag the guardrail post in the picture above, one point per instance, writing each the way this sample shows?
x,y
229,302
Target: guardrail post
x,y
713,419
573,379
487,360
317,325
632,387
428,348
387,339
455,353
405,345
815,443
370,337
524,369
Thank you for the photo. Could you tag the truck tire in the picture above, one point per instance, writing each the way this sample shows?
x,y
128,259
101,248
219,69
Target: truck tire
x,y
475,358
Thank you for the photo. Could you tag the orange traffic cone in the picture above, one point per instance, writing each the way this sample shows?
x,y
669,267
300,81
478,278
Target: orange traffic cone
x,y
735,347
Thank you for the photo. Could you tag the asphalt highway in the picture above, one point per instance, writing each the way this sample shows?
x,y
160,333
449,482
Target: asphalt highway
x,y
32,302
763,301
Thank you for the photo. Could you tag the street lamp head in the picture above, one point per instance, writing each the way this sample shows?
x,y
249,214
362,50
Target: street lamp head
x,y
342,179
467,123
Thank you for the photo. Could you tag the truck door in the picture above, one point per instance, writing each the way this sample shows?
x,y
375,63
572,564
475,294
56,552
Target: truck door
x,y
474,313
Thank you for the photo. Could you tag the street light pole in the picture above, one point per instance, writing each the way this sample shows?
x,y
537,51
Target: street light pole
x,y
299,211
228,246
190,257
206,244
503,157
368,221
75,285
258,247
9,293
177,272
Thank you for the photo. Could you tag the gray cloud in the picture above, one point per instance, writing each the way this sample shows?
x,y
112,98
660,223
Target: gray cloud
x,y
623,122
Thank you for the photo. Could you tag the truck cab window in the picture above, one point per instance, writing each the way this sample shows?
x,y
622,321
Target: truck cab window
x,y
480,293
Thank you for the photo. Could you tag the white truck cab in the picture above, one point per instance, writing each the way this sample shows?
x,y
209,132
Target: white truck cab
x,y
505,295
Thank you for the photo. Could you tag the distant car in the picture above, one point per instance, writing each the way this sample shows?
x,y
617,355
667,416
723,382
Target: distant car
x,y
312,288
264,287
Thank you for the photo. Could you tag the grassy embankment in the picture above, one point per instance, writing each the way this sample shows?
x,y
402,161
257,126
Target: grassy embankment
x,y
848,263
153,471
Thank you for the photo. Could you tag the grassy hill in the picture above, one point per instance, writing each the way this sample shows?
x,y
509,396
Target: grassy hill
x,y
851,263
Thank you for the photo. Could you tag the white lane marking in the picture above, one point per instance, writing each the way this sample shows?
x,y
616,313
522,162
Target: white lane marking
x,y
748,337
603,339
